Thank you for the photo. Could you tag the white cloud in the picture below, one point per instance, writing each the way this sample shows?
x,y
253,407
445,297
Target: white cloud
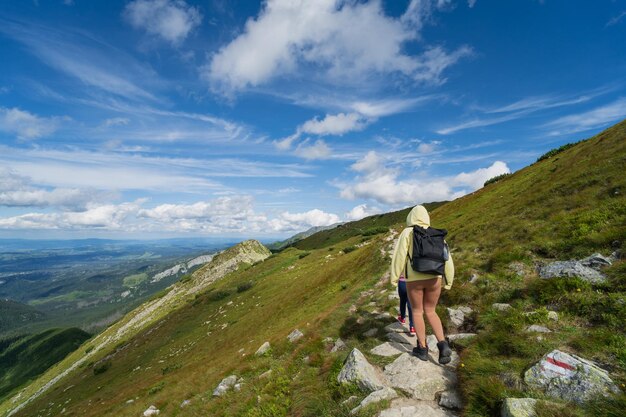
x,y
361,211
335,37
334,124
116,121
476,179
592,119
171,20
319,150
26,125
18,191
426,148
287,221
396,185
285,144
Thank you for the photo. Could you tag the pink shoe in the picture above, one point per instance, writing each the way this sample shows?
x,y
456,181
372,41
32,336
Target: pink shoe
x,y
412,331
401,319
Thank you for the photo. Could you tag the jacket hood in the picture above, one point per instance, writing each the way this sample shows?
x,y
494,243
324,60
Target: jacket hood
x,y
418,217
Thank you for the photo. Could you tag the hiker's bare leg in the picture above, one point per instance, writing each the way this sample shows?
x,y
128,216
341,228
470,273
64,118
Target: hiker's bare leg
x,y
416,297
432,291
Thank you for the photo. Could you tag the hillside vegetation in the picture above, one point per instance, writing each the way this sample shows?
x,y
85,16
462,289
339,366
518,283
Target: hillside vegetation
x,y
332,284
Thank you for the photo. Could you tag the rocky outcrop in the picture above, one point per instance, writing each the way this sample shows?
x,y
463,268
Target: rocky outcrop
x,y
356,369
519,407
375,397
588,269
421,380
569,377
225,385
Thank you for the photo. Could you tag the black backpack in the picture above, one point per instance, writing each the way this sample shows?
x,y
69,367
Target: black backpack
x,y
430,251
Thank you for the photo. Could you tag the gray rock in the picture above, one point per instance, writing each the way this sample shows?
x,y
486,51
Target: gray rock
x,y
615,256
596,261
393,296
237,387
185,403
519,407
383,316
401,338
396,327
569,377
356,369
431,342
226,384
473,279
501,306
295,335
451,399
517,268
391,349
553,315
352,309
350,399
263,349
421,380
456,316
339,345
151,411
415,409
538,329
371,332
571,269
375,397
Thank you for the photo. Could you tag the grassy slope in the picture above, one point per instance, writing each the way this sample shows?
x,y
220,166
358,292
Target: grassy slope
x,y
28,356
566,206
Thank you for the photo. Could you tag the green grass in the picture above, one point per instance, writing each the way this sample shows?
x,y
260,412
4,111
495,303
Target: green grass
x,y
134,280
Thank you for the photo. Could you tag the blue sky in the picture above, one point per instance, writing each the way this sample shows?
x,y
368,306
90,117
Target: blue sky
x,y
159,118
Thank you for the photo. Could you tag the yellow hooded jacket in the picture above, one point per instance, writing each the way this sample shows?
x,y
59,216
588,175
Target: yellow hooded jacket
x,y
404,246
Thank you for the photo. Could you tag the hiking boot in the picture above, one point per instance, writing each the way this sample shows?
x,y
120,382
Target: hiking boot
x,y
445,353
412,331
401,319
420,352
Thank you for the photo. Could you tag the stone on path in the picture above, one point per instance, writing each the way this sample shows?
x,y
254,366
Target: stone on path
x,y
421,380
358,370
451,399
406,408
376,396
571,269
263,349
456,316
295,335
519,407
396,327
569,377
151,411
401,338
371,332
501,306
535,328
339,345
391,349
225,385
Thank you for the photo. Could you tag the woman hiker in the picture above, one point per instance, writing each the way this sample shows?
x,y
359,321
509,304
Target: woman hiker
x,y
423,288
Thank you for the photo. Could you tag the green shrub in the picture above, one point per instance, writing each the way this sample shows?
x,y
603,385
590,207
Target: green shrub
x,y
375,231
349,249
495,179
555,151
156,388
170,368
218,295
245,286
101,367
304,255
185,278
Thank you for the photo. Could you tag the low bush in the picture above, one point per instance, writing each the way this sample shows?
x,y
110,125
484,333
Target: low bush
x,y
304,255
101,367
245,286
556,151
495,179
349,249
218,295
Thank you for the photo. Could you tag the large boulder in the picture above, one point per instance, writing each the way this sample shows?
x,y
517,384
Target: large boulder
x,y
356,369
519,407
569,377
456,316
421,380
571,269
596,261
